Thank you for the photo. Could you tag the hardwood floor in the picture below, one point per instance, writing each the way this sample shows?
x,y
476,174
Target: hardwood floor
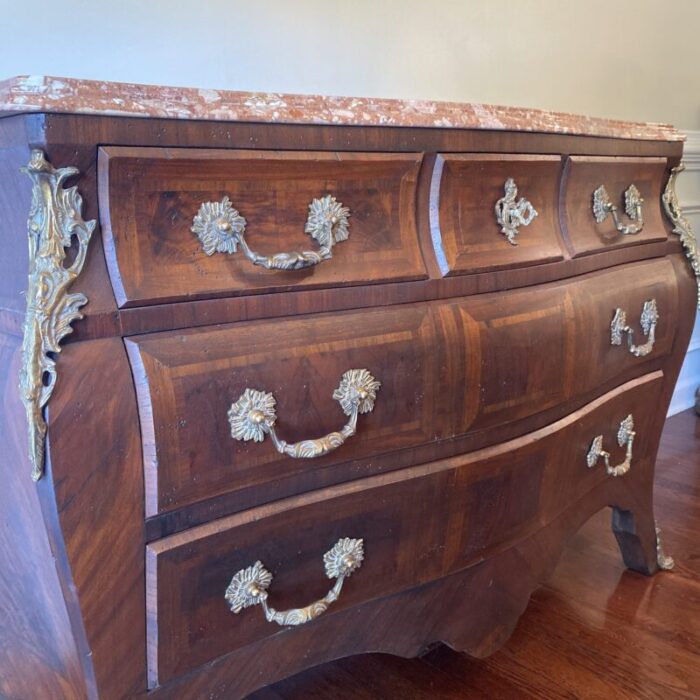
x,y
594,631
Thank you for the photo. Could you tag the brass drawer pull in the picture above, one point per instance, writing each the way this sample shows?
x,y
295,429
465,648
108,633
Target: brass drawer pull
x,y
650,316
603,207
253,415
220,229
510,214
249,586
625,436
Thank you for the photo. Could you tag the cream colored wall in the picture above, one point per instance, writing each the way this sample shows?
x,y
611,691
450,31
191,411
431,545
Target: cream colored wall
x,y
626,59
630,59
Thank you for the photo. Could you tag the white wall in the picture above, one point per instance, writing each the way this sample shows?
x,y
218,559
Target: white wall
x,y
629,59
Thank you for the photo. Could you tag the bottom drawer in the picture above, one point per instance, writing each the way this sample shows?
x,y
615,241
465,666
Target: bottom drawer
x,y
417,525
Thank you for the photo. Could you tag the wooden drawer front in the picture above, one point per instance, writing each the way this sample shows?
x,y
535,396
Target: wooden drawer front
x,y
584,174
417,525
449,369
465,231
150,196
193,377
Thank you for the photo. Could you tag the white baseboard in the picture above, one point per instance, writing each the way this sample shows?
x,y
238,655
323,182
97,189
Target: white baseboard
x,y
689,378
683,396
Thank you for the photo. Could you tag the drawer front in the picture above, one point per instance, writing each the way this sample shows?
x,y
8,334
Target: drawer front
x,y
149,198
417,525
584,175
465,228
448,370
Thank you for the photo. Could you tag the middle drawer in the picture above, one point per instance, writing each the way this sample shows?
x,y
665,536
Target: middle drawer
x,y
448,369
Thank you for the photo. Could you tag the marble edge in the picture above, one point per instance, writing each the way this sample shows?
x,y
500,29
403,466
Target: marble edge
x,y
75,96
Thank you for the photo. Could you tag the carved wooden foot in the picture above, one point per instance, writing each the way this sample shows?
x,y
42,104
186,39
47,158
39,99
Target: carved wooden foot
x,y
639,541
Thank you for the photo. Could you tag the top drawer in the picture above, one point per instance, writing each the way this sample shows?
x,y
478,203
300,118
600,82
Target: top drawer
x,y
492,211
497,211
149,198
590,183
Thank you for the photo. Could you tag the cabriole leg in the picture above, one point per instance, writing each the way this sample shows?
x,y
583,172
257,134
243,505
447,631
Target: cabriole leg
x,y
639,541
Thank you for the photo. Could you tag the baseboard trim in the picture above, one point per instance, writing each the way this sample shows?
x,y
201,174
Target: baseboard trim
x,y
683,396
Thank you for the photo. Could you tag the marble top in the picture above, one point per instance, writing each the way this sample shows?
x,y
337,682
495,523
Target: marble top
x,y
72,96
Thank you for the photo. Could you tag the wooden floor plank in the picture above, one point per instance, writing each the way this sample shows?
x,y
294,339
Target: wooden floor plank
x,y
595,631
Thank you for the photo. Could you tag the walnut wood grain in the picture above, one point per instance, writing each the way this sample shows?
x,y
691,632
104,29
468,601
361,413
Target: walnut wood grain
x,y
39,653
467,610
418,524
471,611
583,174
580,626
472,614
205,312
447,369
72,591
96,476
145,319
69,128
70,140
149,196
464,229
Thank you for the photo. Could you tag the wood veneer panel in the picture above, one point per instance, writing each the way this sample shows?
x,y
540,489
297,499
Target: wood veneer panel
x,y
584,174
149,197
206,312
418,525
39,656
447,369
580,626
91,500
95,469
66,128
463,192
72,140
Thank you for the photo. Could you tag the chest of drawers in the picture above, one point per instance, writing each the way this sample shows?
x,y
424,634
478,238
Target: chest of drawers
x,y
298,379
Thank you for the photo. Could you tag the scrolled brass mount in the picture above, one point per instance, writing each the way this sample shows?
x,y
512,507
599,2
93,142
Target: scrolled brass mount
x,y
512,213
55,222
681,225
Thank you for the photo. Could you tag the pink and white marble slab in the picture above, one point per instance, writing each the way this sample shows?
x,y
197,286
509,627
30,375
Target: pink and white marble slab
x,y
73,96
